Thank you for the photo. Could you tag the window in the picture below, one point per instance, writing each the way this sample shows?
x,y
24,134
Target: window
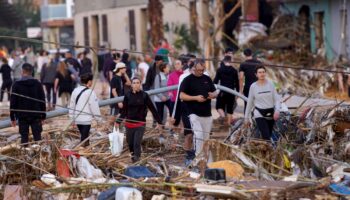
x,y
104,28
86,31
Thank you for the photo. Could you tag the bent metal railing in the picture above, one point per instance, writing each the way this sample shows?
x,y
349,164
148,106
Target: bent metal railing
x,y
62,111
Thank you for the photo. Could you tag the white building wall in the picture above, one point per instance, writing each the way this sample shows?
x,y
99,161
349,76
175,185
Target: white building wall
x,y
118,23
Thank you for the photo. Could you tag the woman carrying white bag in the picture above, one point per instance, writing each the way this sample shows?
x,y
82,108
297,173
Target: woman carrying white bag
x,y
134,113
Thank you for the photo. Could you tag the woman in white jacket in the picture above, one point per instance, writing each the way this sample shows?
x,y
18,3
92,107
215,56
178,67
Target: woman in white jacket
x,y
84,107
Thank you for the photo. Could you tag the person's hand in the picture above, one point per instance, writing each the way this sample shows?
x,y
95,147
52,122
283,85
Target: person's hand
x,y
211,95
200,98
42,122
163,99
246,124
159,127
171,120
13,123
276,115
120,105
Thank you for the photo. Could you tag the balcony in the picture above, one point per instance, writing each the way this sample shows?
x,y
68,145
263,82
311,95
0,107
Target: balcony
x,y
54,12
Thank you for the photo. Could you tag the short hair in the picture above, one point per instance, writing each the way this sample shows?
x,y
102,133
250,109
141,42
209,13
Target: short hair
x,y
189,55
184,59
248,52
259,67
4,60
158,58
229,49
162,67
27,68
85,78
199,61
136,78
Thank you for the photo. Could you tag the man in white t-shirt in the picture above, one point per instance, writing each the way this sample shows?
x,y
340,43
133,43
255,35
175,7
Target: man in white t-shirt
x,y
143,66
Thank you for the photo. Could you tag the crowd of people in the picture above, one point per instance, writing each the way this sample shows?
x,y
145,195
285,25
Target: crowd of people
x,y
71,78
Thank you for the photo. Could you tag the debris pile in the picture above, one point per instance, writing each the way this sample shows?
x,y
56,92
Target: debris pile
x,y
307,159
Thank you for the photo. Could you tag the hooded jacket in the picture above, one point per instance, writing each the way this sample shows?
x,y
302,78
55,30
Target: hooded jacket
x,y
27,94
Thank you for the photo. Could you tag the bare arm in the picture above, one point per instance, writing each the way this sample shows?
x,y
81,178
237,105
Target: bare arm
x,y
241,78
114,92
128,82
56,84
186,97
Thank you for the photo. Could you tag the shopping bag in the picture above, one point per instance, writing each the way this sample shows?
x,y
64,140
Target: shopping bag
x,y
116,141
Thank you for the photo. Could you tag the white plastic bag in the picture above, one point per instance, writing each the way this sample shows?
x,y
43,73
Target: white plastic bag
x,y
116,142
87,170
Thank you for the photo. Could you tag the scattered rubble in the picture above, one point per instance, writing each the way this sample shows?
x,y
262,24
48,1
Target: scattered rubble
x,y
308,159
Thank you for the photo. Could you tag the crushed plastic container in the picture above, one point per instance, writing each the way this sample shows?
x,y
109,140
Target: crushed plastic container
x,y
127,193
138,172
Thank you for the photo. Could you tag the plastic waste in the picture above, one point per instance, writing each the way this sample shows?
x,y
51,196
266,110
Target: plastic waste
x,y
116,140
127,193
108,194
138,172
86,170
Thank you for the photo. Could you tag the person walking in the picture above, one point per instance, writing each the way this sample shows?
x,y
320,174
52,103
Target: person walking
x,y
63,83
197,91
101,57
247,73
152,72
83,107
47,77
69,59
5,70
264,101
86,63
162,99
41,61
227,75
174,78
17,65
180,110
134,113
117,86
27,105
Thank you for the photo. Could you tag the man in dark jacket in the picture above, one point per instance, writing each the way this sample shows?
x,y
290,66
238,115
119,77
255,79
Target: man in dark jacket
x,y
27,105
70,60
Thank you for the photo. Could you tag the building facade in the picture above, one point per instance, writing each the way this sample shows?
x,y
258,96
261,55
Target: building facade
x,y
328,23
123,24
57,22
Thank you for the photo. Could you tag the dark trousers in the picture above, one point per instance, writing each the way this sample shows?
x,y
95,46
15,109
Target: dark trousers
x,y
6,85
185,119
134,139
177,112
265,127
160,108
245,93
34,124
84,133
49,89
